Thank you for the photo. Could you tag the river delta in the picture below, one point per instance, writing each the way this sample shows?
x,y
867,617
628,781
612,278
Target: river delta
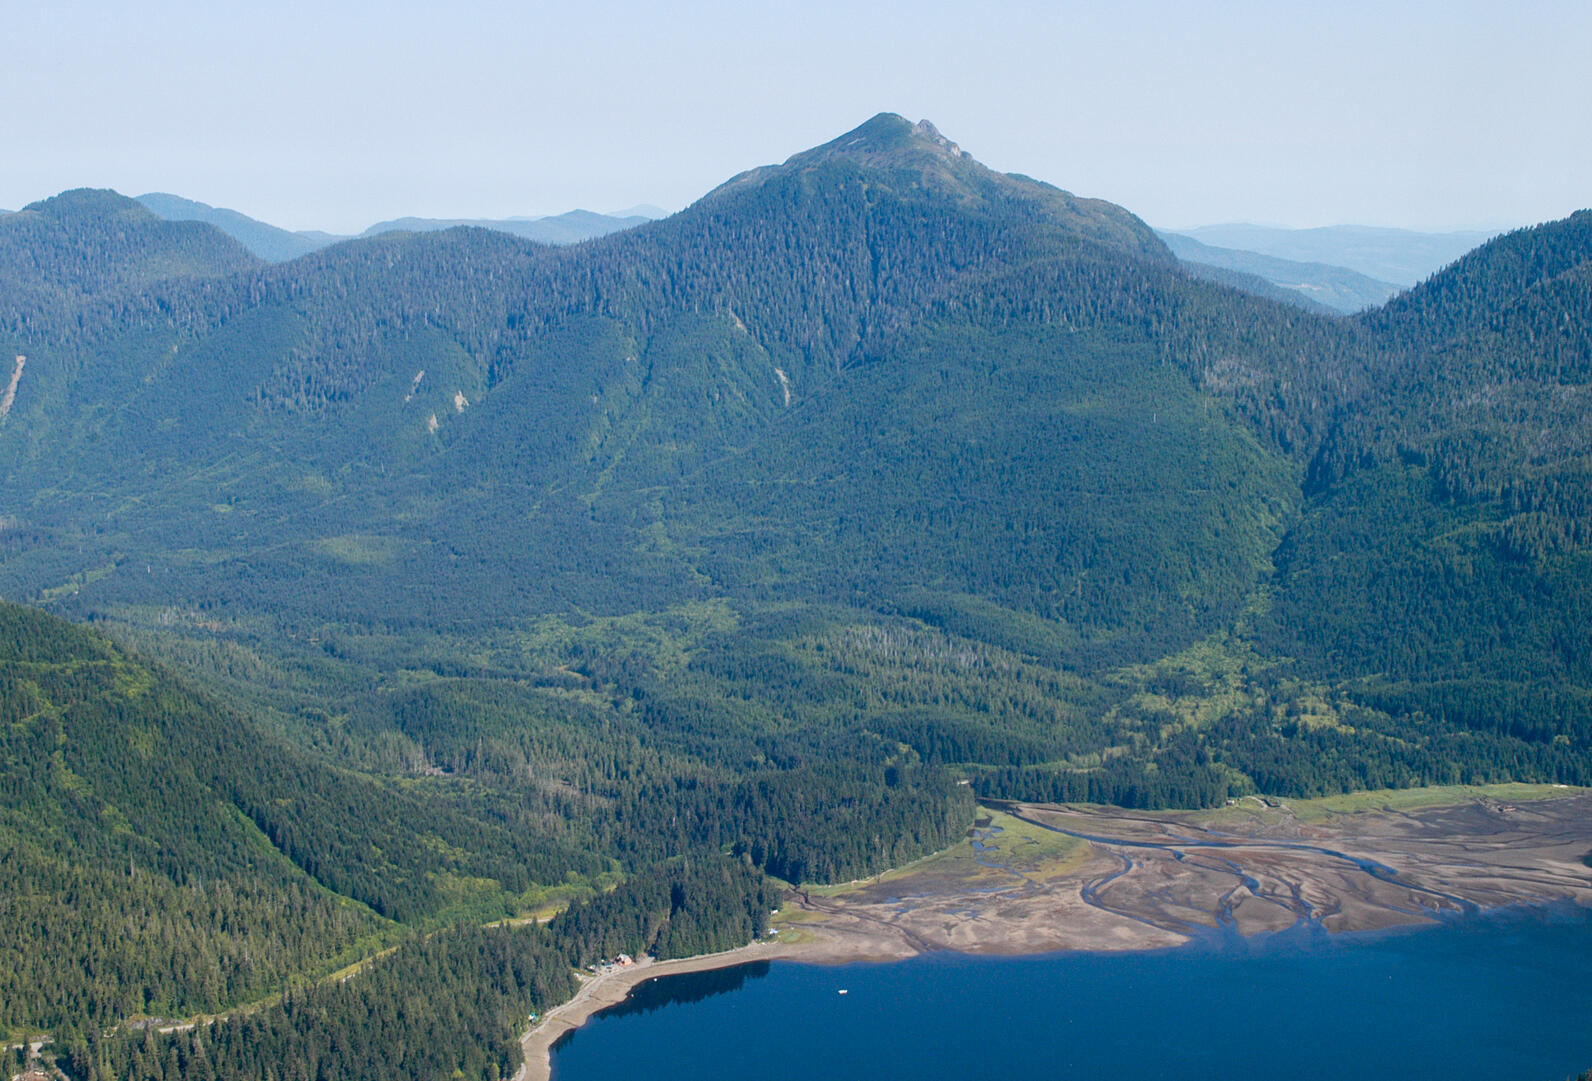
x,y
1257,887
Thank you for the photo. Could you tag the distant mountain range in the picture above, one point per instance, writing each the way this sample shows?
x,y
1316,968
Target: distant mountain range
x,y
1247,257
278,245
1401,257
266,241
1343,269
640,210
1332,288
568,228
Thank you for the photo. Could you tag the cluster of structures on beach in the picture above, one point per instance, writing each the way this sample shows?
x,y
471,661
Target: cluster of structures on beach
x,y
603,968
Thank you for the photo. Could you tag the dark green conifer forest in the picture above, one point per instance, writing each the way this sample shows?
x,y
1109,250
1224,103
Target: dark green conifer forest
x,y
358,602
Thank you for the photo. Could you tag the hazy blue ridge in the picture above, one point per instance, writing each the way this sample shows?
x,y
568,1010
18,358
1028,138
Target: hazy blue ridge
x,y
567,228
1400,256
640,210
266,241
278,245
1333,287
1256,286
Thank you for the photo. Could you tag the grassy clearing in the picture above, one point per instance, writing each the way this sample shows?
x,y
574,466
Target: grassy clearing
x,y
1030,849
76,582
1010,846
1407,799
1261,809
360,549
344,973
789,926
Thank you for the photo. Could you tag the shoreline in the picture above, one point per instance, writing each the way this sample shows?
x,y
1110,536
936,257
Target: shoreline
x,y
1037,878
1061,975
537,1043
609,989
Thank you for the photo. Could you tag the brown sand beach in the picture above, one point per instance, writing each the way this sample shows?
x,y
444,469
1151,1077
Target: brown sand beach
x,y
1034,878
610,988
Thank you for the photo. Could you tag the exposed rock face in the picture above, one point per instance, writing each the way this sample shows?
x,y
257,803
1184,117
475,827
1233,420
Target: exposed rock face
x,y
10,394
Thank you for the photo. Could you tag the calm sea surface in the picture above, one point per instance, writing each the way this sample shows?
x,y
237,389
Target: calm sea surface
x,y
1501,998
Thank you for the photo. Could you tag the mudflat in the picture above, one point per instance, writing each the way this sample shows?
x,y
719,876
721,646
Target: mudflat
x,y
1034,878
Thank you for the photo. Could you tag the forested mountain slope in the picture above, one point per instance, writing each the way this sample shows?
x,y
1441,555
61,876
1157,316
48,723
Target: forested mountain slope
x,y
89,247
1445,557
591,377
876,449
86,243
164,861
162,858
773,531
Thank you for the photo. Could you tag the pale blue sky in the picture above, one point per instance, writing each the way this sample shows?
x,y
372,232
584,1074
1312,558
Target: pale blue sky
x,y
333,116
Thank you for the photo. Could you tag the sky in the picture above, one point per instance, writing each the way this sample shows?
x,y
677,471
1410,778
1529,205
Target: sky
x,y
329,115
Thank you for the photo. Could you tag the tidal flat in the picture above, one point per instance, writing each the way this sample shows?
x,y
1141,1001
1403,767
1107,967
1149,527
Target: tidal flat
x,y
1061,879
1035,878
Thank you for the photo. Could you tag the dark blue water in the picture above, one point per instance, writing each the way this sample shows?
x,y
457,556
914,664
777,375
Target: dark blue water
x,y
1498,998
